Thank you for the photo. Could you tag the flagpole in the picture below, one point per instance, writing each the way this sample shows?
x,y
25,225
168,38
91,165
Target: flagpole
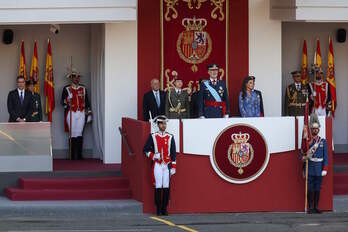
x,y
70,129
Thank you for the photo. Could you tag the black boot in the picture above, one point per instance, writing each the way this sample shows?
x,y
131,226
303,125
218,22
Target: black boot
x,y
73,148
316,201
79,147
310,202
165,201
158,192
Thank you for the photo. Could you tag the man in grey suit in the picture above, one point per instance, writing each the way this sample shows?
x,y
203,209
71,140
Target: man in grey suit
x,y
177,101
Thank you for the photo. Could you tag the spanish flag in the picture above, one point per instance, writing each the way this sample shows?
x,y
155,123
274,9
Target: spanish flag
x,y
330,77
304,66
49,83
34,70
22,66
317,56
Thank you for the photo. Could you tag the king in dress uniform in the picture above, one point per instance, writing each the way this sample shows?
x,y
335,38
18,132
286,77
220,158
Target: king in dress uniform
x,y
320,94
213,97
76,112
317,156
160,148
296,96
177,101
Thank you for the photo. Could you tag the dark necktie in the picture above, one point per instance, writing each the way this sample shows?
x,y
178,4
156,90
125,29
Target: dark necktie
x,y
21,97
157,100
214,82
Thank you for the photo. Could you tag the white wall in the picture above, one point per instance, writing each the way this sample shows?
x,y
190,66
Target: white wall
x,y
293,35
66,11
120,83
265,55
73,40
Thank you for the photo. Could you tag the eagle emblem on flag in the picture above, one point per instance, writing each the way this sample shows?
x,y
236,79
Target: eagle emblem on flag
x,y
194,45
240,152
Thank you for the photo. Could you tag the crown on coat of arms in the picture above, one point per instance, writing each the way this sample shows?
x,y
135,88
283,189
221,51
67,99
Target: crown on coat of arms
x,y
240,138
194,24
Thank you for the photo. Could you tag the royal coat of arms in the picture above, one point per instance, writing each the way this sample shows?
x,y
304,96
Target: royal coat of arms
x,y
240,152
194,45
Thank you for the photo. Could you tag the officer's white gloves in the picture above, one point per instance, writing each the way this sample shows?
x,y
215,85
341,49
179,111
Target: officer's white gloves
x,y
201,117
172,171
323,173
157,156
226,116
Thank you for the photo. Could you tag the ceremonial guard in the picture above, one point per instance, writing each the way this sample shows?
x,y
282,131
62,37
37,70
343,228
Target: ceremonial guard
x,y
177,101
317,157
160,148
77,113
36,114
212,97
295,96
320,99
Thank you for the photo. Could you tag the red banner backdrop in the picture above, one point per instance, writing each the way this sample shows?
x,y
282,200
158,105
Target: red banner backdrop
x,y
194,33
149,48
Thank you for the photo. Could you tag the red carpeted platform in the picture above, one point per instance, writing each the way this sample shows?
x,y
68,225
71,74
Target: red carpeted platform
x,y
84,165
101,188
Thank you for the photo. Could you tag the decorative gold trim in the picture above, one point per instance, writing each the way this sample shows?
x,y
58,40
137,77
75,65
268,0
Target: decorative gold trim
x,y
171,7
198,6
227,30
219,4
162,56
222,73
227,47
170,83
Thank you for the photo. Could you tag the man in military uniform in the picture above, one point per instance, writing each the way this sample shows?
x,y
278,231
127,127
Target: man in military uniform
x,y
317,157
320,97
212,97
295,96
177,101
77,113
160,148
36,114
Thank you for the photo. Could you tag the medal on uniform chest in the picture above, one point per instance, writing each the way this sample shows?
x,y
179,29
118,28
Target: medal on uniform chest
x,y
221,91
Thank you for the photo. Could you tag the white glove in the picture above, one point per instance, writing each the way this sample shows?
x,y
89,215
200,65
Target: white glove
x,y
323,173
201,117
157,156
226,116
172,171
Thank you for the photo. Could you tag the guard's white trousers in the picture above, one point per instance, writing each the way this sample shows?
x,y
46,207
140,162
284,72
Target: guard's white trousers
x,y
161,173
77,121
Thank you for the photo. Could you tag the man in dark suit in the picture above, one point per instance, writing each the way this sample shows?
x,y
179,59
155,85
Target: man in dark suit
x,y
19,102
154,101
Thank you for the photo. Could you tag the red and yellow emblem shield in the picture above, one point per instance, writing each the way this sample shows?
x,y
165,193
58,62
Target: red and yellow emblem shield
x,y
240,152
194,44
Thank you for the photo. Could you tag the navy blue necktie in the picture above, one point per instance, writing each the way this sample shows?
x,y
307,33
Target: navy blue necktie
x,y
157,99
21,97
